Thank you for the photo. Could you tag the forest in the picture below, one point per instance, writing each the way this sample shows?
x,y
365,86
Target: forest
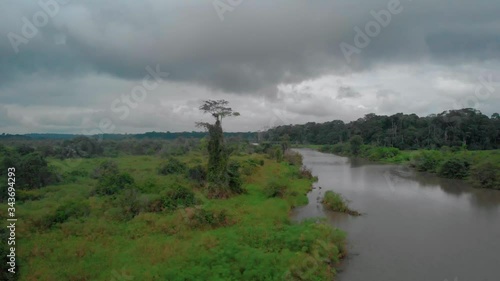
x,y
454,128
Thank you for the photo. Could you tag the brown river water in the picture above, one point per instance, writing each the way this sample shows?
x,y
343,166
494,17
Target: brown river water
x,y
415,226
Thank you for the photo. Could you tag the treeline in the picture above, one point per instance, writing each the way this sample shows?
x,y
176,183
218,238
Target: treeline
x,y
455,128
250,136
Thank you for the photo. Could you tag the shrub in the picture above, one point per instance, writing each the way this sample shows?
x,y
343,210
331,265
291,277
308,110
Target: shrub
x,y
335,202
202,218
276,188
71,209
339,149
172,166
278,154
355,143
454,168
105,168
249,166
378,153
177,197
75,209
485,174
198,174
427,161
293,158
130,204
305,173
28,195
73,176
235,182
32,170
111,184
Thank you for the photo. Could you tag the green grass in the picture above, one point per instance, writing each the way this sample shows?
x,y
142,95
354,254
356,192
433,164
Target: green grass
x,y
256,240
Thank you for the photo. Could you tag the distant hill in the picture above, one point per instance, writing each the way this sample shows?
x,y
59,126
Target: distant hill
x,y
251,136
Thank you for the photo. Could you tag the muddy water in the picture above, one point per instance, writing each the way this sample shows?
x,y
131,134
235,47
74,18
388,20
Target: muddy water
x,y
415,226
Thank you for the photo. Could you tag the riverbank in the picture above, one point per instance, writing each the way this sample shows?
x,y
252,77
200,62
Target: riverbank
x,y
411,219
245,237
479,168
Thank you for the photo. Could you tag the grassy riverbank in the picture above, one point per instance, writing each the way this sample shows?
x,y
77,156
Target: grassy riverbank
x,y
480,168
160,225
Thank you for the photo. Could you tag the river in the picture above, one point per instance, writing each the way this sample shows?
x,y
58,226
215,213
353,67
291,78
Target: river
x,y
415,226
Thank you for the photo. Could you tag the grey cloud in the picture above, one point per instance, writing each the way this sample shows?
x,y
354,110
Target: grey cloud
x,y
94,51
347,92
260,43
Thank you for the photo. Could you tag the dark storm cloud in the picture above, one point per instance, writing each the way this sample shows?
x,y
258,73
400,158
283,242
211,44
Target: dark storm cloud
x,y
259,44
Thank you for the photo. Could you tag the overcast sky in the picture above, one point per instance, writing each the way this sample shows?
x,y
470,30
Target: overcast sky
x,y
134,66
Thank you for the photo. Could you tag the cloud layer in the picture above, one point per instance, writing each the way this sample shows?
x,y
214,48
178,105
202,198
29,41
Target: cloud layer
x,y
274,60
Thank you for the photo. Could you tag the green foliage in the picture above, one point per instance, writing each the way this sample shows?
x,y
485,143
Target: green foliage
x,y
378,153
218,157
71,209
28,195
198,174
223,180
247,237
110,184
486,174
293,158
235,181
130,204
355,143
105,168
335,202
74,175
178,197
427,160
453,128
202,218
249,166
278,153
172,166
32,170
276,187
454,167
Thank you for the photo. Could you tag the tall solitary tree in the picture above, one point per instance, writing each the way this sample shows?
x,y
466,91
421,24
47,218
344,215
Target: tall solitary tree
x,y
218,155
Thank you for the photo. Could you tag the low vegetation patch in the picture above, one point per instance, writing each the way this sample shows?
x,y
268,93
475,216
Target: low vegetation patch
x,y
335,202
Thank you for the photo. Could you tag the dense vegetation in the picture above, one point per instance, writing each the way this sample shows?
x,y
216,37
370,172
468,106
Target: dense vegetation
x,y
467,127
164,210
335,202
480,168
249,136
137,216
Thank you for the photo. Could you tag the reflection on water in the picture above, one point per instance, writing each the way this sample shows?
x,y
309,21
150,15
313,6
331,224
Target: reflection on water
x,y
415,226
